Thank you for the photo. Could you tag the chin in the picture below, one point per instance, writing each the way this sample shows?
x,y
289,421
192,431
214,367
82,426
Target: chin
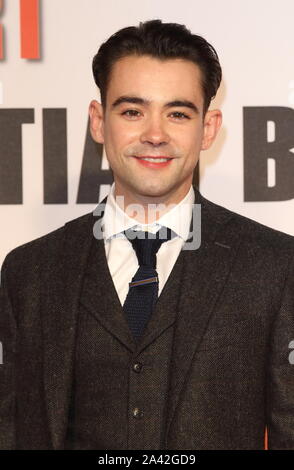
x,y
152,190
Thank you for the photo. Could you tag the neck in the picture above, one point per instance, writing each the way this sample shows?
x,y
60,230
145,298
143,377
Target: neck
x,y
147,209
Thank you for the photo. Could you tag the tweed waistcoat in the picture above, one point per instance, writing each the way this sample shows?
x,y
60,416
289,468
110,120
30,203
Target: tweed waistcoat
x,y
120,388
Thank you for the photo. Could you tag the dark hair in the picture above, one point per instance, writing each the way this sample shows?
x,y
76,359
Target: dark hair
x,y
162,41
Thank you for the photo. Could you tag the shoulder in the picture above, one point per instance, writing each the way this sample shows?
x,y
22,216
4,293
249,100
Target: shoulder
x,y
36,251
267,254
253,233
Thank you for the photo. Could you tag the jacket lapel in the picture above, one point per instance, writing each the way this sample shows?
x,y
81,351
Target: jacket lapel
x,y
205,273
100,298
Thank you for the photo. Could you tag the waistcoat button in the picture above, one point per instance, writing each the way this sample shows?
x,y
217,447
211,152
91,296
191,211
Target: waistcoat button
x,y
137,413
137,367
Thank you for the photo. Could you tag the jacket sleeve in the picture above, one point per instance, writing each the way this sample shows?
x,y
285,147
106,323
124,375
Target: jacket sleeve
x,y
7,364
280,372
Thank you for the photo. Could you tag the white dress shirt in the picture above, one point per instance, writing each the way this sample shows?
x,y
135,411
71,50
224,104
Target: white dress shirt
x,y
121,257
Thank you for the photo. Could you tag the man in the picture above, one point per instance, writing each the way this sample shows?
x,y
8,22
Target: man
x,y
97,353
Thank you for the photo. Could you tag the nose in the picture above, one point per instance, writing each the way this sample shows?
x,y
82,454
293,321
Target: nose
x,y
155,132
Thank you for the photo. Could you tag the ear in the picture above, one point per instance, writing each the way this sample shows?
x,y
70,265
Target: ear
x,y
96,121
212,123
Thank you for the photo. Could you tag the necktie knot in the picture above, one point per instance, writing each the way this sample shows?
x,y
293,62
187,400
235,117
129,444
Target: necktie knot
x,y
147,244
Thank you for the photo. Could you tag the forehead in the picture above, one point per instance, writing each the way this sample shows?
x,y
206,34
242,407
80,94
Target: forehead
x,y
155,79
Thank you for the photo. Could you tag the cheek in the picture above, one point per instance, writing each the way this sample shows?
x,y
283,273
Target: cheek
x,y
196,140
119,136
112,137
188,130
190,141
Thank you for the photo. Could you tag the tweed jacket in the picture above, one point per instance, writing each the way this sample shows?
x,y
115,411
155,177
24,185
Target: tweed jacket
x,y
231,372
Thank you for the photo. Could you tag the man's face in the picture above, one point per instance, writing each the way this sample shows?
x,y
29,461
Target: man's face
x,y
154,108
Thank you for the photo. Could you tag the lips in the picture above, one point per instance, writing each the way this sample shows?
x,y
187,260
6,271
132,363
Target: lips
x,y
154,164
151,156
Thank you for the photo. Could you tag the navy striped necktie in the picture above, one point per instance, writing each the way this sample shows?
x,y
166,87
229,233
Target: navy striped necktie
x,y
143,289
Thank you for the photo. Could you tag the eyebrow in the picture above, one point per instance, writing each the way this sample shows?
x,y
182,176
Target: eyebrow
x,y
143,101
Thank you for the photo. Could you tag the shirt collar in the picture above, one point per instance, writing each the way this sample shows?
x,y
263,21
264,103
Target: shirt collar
x,y
115,220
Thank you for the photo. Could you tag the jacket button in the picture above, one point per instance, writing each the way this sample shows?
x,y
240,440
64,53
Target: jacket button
x,y
137,367
137,413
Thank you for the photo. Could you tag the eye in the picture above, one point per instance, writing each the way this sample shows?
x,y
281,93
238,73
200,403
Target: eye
x,y
179,115
131,113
